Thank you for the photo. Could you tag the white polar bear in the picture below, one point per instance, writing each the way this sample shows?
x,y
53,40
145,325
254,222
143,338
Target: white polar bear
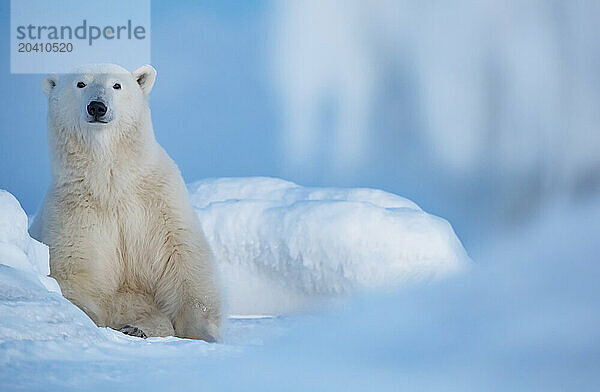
x,y
125,243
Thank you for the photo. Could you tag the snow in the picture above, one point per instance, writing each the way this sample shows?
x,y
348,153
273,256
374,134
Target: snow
x,y
524,318
298,246
17,249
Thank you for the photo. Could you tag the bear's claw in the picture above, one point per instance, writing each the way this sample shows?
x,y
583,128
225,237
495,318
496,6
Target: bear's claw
x,y
132,331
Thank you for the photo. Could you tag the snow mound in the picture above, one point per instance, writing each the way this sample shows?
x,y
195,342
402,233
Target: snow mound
x,y
31,306
281,247
17,249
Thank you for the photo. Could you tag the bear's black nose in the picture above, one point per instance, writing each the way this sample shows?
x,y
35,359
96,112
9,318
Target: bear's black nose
x,y
96,109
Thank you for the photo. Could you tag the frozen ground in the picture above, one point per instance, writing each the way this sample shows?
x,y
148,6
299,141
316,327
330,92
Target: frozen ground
x,y
525,318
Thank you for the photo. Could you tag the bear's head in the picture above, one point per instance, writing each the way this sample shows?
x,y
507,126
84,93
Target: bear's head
x,y
99,99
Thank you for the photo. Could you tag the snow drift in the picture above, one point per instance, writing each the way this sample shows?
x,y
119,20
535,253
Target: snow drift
x,y
31,305
17,248
282,247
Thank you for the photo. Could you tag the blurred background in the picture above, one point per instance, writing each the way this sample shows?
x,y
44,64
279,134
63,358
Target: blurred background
x,y
482,112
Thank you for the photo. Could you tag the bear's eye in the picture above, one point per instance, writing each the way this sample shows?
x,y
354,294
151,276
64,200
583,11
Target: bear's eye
x,y
80,84
117,86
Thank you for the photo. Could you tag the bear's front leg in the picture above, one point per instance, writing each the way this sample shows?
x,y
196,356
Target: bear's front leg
x,y
188,289
198,318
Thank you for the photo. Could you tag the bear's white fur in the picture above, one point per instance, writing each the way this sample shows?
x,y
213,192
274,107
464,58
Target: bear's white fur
x,y
125,243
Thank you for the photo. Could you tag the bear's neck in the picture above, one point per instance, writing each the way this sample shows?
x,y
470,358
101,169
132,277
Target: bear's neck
x,y
105,165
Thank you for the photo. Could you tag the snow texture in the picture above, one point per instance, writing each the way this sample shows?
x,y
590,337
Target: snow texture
x,y
17,248
298,246
525,318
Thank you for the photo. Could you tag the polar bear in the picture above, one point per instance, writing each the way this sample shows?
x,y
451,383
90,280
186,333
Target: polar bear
x,y
125,244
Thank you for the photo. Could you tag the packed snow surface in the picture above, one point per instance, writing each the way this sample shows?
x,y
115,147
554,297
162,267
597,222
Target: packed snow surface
x,y
282,247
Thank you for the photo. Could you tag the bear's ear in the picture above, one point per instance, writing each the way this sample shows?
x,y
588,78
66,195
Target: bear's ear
x,y
49,83
145,77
